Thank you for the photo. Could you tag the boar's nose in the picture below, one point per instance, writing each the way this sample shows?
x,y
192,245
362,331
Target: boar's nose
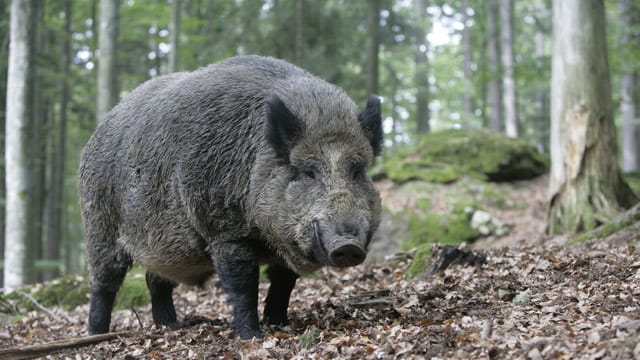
x,y
347,255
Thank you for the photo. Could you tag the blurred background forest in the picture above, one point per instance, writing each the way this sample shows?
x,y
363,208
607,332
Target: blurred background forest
x,y
437,65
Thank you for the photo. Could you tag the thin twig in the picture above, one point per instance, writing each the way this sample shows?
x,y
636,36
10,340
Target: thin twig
x,y
49,312
38,305
137,317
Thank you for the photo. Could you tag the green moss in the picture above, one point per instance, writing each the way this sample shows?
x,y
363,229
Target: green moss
x,y
446,156
453,228
633,179
421,261
133,292
607,229
66,292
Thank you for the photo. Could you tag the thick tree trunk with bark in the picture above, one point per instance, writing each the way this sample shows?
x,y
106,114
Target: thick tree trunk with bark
x,y
107,94
174,31
493,56
586,187
373,45
20,235
423,117
509,99
628,112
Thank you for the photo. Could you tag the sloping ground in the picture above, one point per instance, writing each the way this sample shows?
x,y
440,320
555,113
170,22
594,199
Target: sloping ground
x,y
580,301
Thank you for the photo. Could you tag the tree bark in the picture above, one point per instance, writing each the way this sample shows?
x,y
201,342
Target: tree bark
x,y
107,94
628,111
586,186
509,99
467,98
373,45
493,56
20,234
423,117
174,31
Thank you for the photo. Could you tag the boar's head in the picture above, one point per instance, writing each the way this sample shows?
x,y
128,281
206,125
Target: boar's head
x,y
319,202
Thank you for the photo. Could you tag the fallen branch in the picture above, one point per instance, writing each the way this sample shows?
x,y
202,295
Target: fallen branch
x,y
38,305
46,310
31,351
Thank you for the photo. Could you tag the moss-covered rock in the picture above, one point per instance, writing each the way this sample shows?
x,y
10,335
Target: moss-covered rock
x,y
446,156
453,228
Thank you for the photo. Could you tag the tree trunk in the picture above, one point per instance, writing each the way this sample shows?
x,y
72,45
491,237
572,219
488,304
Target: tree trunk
x,y
20,235
542,96
174,30
393,84
107,94
373,45
493,56
509,99
586,187
423,117
628,111
299,45
4,54
467,98
55,198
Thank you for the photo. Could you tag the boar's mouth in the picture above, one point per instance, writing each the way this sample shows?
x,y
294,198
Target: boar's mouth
x,y
336,250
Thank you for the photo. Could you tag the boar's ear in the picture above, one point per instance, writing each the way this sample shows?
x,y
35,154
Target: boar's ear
x,y
371,121
282,128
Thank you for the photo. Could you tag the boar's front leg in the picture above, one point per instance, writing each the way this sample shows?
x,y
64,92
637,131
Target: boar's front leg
x,y
282,282
237,265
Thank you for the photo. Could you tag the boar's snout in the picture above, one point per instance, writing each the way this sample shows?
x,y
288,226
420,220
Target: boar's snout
x,y
340,244
348,255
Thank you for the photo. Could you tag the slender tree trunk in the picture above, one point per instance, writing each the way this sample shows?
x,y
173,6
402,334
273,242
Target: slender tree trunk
x,y
423,117
4,54
373,45
393,84
55,198
107,94
299,45
493,56
174,31
508,83
628,111
20,235
542,97
586,186
467,98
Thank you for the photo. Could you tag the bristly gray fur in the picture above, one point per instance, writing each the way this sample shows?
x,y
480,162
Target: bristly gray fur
x,y
181,165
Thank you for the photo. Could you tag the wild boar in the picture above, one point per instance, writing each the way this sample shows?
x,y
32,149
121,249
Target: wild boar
x,y
247,161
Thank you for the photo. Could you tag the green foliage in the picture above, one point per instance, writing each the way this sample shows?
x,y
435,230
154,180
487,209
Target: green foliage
x,y
447,156
421,262
66,292
133,292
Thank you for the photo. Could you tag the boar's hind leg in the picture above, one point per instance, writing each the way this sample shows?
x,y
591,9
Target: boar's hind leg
x,y
282,282
106,277
237,266
161,291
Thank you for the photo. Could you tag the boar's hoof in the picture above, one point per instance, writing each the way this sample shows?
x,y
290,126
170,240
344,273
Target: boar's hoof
x,y
248,334
347,255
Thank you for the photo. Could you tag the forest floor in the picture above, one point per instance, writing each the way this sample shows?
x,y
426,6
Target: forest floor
x,y
534,298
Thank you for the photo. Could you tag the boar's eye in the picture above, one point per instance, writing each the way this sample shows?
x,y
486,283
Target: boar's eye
x,y
306,172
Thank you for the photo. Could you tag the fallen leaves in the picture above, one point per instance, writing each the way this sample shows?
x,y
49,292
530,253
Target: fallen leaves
x,y
529,302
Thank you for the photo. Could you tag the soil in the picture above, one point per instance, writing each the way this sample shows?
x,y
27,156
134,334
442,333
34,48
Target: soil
x,y
534,298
